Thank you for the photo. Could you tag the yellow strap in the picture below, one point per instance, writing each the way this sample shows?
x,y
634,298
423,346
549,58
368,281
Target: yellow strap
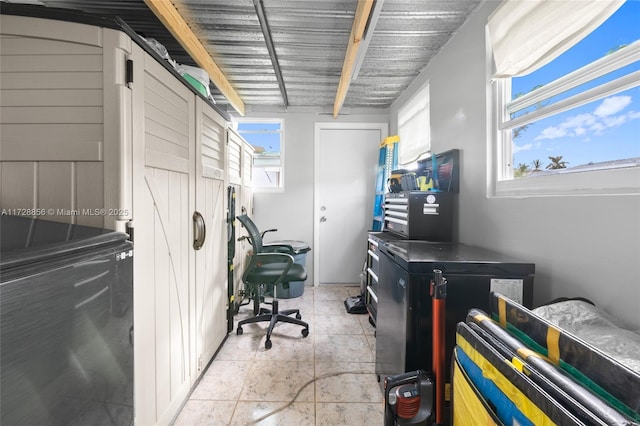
x,y
502,312
553,344
480,317
526,353
523,352
490,372
518,364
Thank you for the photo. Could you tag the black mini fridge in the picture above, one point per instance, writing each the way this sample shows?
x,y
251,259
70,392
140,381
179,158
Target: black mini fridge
x,y
404,314
66,324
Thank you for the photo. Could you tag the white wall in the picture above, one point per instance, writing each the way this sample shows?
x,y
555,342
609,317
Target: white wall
x,y
585,246
291,211
578,250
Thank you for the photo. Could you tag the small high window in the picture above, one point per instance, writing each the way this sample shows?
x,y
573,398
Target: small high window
x,y
266,136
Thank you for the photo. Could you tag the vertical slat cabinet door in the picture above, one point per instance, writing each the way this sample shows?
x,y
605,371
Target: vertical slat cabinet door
x,y
246,197
234,174
163,205
247,177
234,157
245,201
211,256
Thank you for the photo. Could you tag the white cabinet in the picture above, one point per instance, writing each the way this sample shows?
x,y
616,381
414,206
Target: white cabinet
x,y
211,259
179,189
239,169
164,158
235,144
84,141
66,121
247,178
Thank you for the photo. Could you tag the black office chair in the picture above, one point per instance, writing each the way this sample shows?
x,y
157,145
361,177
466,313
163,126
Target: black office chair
x,y
270,266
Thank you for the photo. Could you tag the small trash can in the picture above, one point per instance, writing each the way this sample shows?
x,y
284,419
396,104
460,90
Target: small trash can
x,y
296,288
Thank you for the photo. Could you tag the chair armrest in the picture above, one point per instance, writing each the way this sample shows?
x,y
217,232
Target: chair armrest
x,y
268,230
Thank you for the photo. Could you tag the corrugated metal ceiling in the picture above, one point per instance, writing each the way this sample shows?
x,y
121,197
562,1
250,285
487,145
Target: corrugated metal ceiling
x,y
310,39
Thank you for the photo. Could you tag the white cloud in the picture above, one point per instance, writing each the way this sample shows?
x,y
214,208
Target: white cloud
x,y
602,118
552,132
612,105
518,148
616,121
579,121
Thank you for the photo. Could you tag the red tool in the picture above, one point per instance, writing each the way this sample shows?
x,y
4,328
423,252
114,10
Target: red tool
x,y
438,297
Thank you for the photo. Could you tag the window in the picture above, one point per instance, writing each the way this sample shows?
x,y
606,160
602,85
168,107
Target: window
x,y
414,128
573,124
266,136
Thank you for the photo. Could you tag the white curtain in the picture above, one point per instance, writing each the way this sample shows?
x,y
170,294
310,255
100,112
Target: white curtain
x,y
414,128
527,34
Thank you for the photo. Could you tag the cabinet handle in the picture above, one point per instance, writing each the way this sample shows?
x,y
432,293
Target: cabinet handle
x,y
199,230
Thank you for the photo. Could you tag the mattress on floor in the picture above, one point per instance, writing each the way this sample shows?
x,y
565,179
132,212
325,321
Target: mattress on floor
x,y
612,380
596,327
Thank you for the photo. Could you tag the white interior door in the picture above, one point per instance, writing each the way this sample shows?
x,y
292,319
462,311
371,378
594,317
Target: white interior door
x,y
346,156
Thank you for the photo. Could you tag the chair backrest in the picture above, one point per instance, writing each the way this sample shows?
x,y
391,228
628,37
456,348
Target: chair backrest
x,y
254,234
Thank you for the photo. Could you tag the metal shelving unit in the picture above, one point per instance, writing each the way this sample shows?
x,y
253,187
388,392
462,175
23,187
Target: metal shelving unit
x,y
387,161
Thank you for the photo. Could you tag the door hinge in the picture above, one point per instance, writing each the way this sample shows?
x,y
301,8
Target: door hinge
x,y
129,72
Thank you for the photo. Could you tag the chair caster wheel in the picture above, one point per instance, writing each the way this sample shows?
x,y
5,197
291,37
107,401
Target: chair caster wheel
x,y
305,331
239,331
268,344
298,316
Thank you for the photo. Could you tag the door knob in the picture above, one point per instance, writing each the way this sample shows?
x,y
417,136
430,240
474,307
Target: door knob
x,y
323,219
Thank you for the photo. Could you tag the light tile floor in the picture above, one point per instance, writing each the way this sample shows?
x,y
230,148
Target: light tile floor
x,y
326,378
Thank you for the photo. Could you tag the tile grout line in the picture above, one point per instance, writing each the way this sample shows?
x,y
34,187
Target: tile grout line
x,y
344,366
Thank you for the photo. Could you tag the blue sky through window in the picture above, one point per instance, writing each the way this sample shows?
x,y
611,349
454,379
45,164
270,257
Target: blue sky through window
x,y
263,135
604,130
